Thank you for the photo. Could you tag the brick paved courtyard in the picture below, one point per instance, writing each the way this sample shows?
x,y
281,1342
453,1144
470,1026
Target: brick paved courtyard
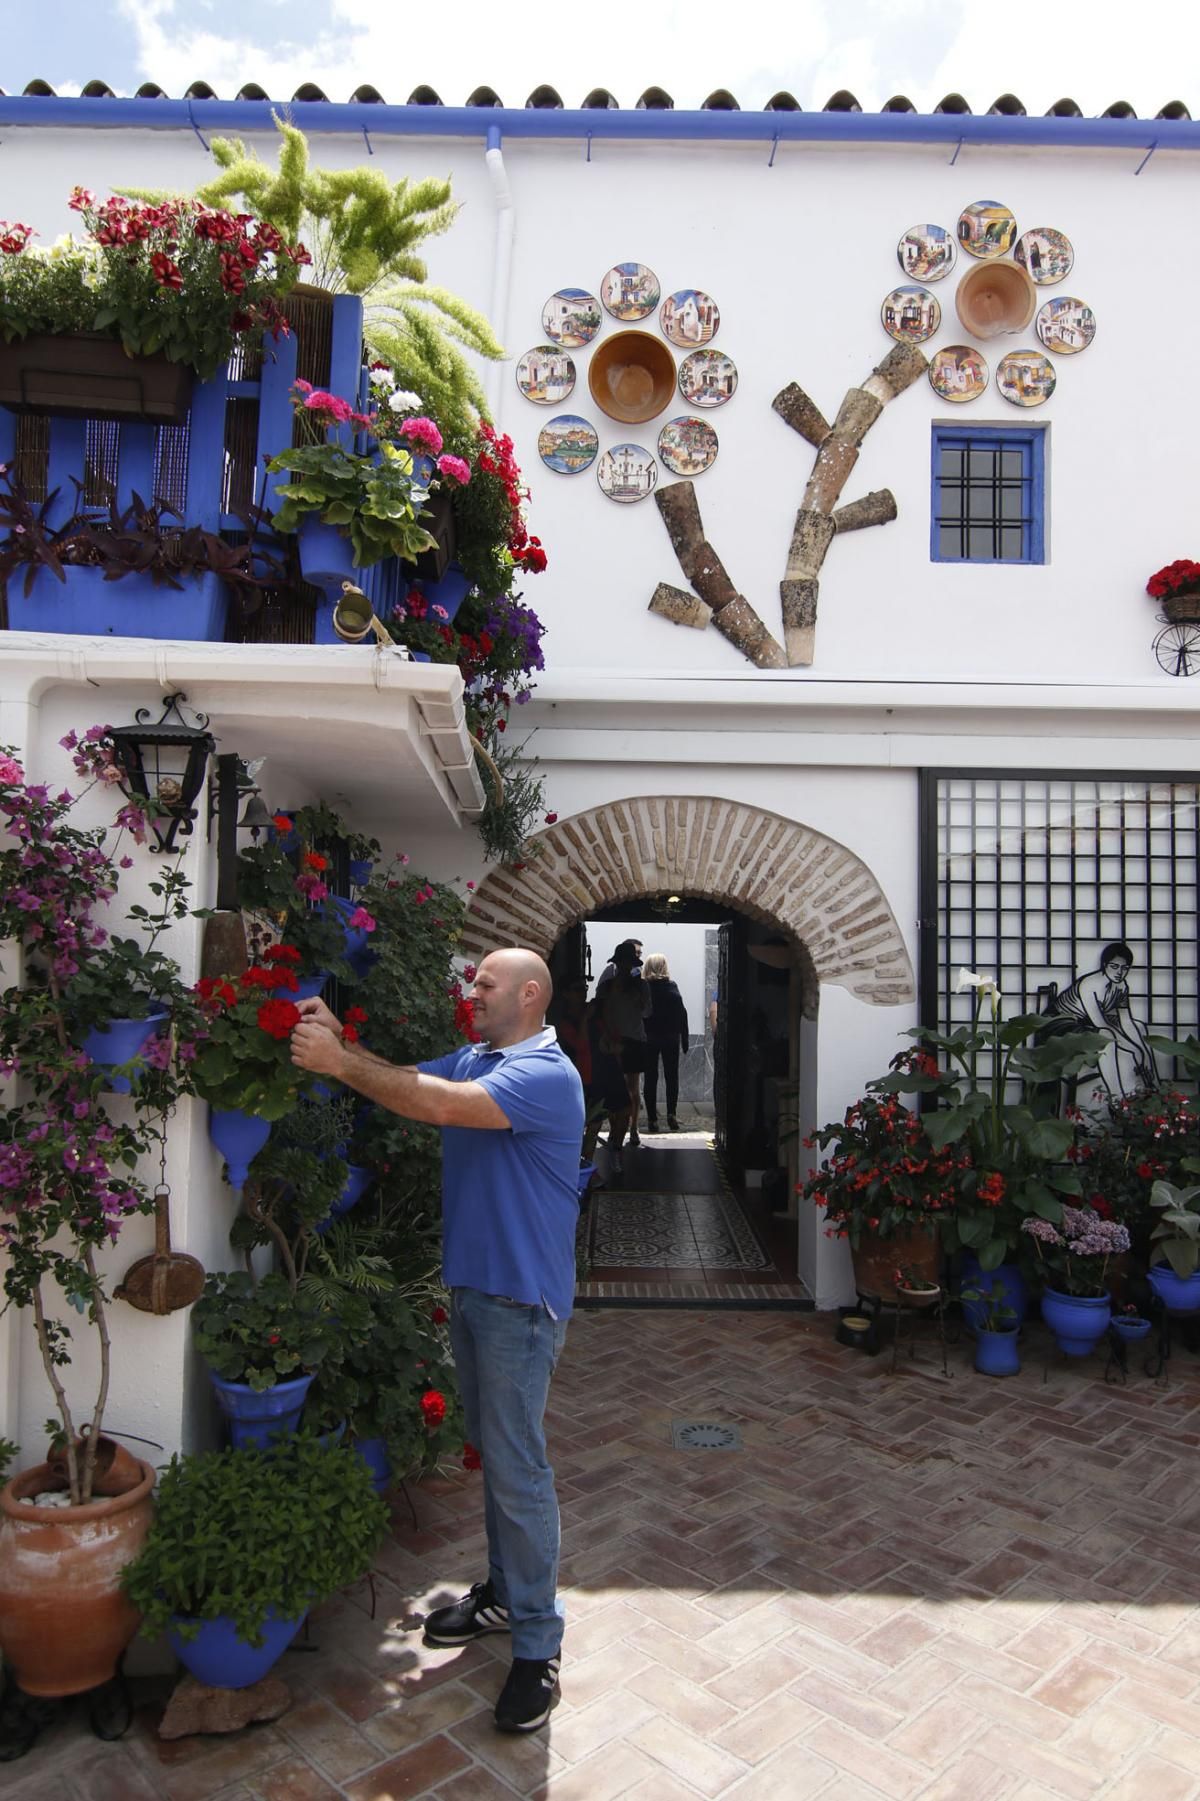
x,y
903,1587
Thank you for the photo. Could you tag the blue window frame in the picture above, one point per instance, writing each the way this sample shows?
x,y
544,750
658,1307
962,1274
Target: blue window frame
x,y
988,495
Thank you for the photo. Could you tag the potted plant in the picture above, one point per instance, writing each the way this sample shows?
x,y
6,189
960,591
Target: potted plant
x,y
291,887
913,1287
240,1060
116,324
244,1543
1176,587
1130,1325
262,1343
1175,1277
996,1328
886,1188
1075,1256
66,1189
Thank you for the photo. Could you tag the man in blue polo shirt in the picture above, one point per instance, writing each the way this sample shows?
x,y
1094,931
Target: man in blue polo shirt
x,y
512,1115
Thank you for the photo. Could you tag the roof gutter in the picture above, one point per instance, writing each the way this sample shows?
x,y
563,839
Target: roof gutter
x,y
585,124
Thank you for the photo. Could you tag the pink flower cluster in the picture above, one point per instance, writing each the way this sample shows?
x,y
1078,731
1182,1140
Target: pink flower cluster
x,y
455,469
423,431
329,409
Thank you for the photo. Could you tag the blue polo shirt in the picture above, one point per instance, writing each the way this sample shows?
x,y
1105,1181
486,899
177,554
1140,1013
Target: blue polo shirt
x,y
510,1199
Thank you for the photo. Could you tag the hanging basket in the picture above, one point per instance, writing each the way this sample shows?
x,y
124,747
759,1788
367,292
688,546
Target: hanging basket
x,y
88,375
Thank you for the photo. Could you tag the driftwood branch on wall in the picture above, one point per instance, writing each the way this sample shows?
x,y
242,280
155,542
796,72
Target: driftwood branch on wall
x,y
818,521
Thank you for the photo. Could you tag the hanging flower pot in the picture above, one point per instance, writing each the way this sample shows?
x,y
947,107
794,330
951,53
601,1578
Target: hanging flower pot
x,y
64,1618
307,987
1078,1321
447,593
119,1042
239,1137
361,870
217,1657
326,553
358,1181
374,1453
1178,1294
996,1353
258,1415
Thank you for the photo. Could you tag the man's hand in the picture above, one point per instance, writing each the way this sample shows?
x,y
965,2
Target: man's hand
x,y
315,1047
315,1012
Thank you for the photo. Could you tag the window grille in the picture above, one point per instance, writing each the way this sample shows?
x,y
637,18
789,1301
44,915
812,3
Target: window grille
x,y
988,496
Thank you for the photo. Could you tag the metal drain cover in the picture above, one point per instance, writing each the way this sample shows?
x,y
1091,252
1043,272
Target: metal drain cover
x,y
705,1435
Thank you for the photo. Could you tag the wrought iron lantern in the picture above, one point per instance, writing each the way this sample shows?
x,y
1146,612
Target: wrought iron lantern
x,y
163,763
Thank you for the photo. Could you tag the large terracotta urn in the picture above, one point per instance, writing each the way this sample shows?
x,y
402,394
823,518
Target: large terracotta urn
x,y
876,1259
64,1617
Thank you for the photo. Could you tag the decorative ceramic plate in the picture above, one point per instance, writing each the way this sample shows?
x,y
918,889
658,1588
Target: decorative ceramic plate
x,y
1026,377
690,317
1065,325
627,472
1048,255
546,374
910,315
571,317
568,444
707,378
630,291
986,228
958,373
688,446
926,252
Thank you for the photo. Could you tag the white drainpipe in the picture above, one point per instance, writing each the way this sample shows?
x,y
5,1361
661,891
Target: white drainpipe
x,y
506,219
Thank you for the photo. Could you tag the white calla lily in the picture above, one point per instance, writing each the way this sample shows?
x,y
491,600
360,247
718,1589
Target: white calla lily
x,y
967,978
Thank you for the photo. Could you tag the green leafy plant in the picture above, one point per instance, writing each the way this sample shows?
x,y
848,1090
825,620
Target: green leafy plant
x,y
129,979
290,888
9,1452
176,277
990,1307
239,1533
1015,1163
514,804
1176,1237
259,1332
240,1060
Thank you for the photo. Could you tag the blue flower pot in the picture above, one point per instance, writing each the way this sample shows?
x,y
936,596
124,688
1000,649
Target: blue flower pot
x,y
307,987
996,1353
1178,1294
85,605
361,871
220,1659
120,1042
1132,1329
1012,1284
357,1182
357,938
373,1452
448,592
1077,1321
239,1137
256,1416
326,554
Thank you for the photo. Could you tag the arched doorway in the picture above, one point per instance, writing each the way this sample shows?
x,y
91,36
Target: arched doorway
x,y
811,890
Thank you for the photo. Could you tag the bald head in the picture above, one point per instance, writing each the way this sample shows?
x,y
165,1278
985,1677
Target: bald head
x,y
511,994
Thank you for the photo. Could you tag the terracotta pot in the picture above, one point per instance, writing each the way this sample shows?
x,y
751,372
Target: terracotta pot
x,y
914,1250
64,1618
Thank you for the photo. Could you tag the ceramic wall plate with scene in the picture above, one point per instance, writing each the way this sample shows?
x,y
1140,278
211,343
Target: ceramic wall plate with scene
x,y
958,373
571,317
1026,377
546,375
1048,255
1066,325
986,228
627,472
707,378
926,252
630,291
910,315
688,446
690,318
568,444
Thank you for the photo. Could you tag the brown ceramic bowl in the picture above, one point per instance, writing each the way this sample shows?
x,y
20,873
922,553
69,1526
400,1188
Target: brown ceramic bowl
x,y
632,376
995,297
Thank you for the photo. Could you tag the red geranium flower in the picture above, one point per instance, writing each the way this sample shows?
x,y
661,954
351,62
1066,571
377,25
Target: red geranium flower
x,y
277,1018
314,860
281,953
439,1316
433,1407
471,1458
282,823
355,1016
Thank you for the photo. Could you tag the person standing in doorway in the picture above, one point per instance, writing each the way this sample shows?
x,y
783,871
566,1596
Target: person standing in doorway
x,y
666,1041
612,968
623,1003
511,1113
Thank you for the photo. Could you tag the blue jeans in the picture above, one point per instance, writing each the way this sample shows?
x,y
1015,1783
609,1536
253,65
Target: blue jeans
x,y
505,1353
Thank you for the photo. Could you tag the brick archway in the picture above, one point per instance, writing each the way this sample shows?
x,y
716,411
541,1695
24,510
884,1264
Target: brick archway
x,y
776,871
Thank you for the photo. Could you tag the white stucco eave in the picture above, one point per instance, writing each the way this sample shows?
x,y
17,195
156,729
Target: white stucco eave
x,y
363,725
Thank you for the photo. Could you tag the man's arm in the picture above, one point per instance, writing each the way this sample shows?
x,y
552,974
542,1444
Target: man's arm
x,y
401,1089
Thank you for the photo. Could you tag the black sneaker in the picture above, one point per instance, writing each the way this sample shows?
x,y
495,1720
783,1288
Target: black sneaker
x,y
477,1613
528,1695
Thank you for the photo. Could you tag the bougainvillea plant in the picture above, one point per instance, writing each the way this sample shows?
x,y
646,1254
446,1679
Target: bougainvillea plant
x,y
1179,577
188,280
67,1181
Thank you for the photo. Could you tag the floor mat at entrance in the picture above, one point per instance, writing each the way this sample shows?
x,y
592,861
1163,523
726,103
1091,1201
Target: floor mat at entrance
x,y
635,1230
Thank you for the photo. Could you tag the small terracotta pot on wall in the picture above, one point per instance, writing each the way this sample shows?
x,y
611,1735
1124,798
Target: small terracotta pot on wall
x,y
64,1618
876,1259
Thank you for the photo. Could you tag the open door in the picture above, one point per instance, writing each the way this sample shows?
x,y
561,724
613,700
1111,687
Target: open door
x,y
720,1046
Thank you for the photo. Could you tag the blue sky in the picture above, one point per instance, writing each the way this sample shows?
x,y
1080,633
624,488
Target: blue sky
x,y
924,48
